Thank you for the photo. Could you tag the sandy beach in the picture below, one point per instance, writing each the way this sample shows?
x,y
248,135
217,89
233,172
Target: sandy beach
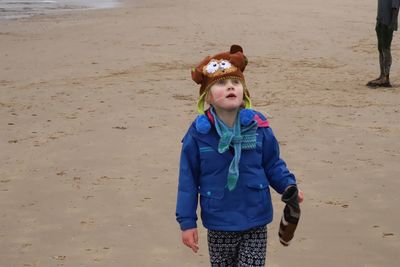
x,y
94,104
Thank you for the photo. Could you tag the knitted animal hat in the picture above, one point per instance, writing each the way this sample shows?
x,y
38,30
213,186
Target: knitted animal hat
x,y
224,65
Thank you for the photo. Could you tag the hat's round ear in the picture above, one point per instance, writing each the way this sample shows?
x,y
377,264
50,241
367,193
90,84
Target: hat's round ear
x,y
197,76
197,73
236,48
239,60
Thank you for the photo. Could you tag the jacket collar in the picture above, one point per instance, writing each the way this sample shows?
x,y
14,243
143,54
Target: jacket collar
x,y
212,138
260,119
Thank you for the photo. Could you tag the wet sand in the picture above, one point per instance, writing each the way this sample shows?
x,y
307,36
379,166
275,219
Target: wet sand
x,y
16,9
93,105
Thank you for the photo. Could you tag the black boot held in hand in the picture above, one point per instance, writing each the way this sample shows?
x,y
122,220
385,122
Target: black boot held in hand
x,y
290,217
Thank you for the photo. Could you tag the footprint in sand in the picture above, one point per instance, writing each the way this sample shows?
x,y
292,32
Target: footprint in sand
x,y
120,127
343,204
387,234
88,222
59,258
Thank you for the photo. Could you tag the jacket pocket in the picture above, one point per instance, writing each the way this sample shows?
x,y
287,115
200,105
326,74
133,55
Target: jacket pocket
x,y
257,194
257,184
211,193
257,199
210,199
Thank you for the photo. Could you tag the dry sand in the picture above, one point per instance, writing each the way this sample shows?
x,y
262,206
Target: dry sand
x,y
93,105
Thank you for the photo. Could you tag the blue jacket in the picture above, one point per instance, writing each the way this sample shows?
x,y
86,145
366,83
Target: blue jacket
x,y
203,171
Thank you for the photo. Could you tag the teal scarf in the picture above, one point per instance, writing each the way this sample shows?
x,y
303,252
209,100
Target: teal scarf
x,y
239,137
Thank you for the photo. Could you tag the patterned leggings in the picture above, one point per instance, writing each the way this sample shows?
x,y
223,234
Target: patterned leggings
x,y
242,249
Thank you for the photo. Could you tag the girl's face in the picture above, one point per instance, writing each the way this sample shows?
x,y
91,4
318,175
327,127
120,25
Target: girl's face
x,y
227,94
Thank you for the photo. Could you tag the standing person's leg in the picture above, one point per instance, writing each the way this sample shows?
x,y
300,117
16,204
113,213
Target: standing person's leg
x,y
223,248
378,30
253,247
387,36
380,43
384,35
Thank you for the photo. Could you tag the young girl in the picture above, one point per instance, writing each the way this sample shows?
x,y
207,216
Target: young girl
x,y
229,157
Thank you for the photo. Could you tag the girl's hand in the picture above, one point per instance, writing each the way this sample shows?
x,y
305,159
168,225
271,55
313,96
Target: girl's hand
x,y
300,196
190,238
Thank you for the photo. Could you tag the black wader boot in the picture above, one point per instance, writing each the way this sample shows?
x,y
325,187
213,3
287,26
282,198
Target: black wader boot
x,y
290,217
384,35
385,61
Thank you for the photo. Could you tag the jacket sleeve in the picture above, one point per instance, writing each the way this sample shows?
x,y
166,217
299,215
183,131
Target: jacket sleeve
x,y
275,168
188,184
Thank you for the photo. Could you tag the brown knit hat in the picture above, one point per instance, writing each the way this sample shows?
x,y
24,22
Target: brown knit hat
x,y
221,66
